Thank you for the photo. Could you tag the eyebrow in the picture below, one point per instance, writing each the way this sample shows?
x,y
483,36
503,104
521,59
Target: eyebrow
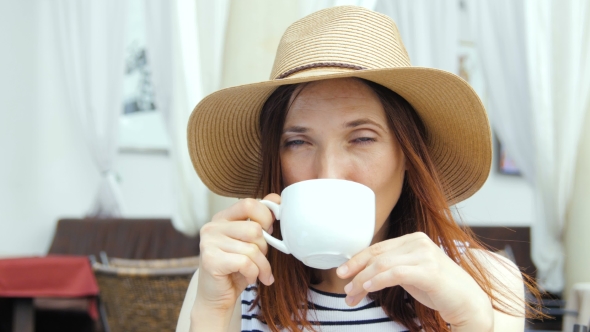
x,y
364,121
351,124
295,129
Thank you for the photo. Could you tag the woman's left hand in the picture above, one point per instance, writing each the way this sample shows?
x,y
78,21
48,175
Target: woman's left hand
x,y
417,264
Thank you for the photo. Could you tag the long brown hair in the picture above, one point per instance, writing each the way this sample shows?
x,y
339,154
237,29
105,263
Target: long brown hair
x,y
422,207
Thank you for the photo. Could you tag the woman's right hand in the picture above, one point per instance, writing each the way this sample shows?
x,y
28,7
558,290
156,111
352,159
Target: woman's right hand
x,y
233,254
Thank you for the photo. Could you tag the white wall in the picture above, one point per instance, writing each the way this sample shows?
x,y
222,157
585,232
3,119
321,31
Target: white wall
x,y
577,231
19,121
46,172
504,200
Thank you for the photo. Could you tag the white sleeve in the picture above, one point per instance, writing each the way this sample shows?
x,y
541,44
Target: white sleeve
x,y
184,319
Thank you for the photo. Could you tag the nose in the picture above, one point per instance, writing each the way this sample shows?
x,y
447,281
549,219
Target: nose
x,y
331,164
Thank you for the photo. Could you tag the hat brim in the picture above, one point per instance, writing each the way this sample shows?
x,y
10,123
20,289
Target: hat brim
x,y
224,139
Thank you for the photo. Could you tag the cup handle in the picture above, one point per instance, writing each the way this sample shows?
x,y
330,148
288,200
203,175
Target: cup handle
x,y
273,241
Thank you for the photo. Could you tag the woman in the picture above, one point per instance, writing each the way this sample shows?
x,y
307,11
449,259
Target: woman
x,y
344,102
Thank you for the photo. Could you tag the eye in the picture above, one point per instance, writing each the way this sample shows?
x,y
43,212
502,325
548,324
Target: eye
x,y
294,143
364,140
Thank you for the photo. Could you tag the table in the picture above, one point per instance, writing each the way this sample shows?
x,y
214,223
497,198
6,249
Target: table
x,y
53,276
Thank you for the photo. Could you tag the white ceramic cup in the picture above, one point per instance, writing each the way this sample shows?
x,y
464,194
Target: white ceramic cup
x,y
324,222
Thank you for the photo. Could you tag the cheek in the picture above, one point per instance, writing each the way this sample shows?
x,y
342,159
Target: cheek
x,y
388,195
295,169
387,199
381,172
387,186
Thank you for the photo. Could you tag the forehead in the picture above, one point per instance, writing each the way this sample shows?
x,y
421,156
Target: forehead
x,y
335,99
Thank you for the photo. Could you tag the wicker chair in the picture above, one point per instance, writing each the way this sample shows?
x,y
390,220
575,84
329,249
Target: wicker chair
x,y
142,298
192,261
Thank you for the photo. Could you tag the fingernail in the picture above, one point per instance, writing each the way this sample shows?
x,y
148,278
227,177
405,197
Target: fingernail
x,y
367,285
270,229
348,288
342,270
349,300
271,280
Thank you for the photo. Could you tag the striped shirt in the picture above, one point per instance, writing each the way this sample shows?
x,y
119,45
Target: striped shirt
x,y
331,314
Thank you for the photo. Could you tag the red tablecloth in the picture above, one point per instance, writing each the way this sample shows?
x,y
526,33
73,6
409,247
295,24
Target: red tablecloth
x,y
50,276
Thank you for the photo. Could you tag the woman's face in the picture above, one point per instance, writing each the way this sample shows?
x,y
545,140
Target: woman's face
x,y
337,129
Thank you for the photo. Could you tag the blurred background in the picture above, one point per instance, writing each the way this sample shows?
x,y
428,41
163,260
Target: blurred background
x,y
95,97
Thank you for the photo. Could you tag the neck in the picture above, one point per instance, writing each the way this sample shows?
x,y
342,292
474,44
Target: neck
x,y
331,283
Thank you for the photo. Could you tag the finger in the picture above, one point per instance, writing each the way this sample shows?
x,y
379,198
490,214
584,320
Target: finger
x,y
246,267
378,265
248,208
401,275
276,199
221,264
273,198
245,231
359,261
354,300
253,252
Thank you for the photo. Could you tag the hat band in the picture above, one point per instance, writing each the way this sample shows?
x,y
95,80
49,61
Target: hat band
x,y
316,65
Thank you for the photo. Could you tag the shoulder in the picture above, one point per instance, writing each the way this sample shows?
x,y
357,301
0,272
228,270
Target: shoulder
x,y
498,266
508,288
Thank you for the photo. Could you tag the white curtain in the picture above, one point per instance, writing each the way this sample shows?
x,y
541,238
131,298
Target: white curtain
x,y
92,48
429,30
558,58
185,41
307,7
501,43
533,54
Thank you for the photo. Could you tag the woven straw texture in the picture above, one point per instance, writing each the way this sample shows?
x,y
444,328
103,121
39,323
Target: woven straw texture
x,y
192,261
142,299
223,136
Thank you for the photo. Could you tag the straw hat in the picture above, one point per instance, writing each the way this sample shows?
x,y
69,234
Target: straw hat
x,y
347,41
